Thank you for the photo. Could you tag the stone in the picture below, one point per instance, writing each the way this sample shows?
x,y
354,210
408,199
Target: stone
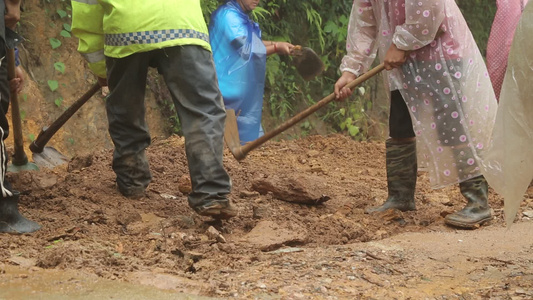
x,y
212,233
269,236
184,184
302,188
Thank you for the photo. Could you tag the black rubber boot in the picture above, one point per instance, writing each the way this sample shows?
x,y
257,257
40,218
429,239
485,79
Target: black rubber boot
x,y
401,176
477,210
11,221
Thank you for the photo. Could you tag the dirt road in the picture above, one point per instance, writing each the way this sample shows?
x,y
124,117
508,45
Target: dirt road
x,y
275,248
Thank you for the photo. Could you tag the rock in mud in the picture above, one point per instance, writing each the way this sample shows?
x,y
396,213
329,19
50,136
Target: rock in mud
x,y
248,194
259,212
528,213
45,181
80,162
126,217
26,181
21,261
184,184
269,236
212,233
435,197
302,188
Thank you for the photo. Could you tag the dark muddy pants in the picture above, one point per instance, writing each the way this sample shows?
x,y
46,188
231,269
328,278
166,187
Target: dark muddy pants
x,y
400,123
189,73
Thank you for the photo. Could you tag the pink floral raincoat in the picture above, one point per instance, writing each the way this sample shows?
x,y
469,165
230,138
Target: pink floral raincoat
x,y
444,82
500,39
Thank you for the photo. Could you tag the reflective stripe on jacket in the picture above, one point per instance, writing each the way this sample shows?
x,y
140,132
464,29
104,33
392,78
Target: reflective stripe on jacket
x,y
117,28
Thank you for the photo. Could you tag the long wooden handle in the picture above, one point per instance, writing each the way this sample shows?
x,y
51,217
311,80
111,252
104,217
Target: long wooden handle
x,y
19,157
243,150
46,134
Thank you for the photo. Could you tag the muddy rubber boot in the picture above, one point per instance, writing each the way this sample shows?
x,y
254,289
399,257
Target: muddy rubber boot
x,y
401,176
477,210
11,221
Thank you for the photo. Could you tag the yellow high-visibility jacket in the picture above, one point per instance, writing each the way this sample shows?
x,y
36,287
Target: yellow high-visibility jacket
x,y
118,28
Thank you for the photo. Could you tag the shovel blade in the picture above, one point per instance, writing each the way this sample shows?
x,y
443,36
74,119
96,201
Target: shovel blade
x,y
29,166
307,63
49,158
231,132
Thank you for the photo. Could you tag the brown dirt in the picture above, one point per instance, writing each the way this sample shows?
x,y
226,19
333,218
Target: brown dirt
x,y
338,249
275,248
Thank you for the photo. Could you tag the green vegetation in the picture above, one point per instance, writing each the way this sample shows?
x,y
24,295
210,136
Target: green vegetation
x,y
479,15
60,67
322,25
318,24
61,14
53,85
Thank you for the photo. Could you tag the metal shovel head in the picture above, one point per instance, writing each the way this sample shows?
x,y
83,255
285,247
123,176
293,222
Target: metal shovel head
x,y
29,166
307,62
49,158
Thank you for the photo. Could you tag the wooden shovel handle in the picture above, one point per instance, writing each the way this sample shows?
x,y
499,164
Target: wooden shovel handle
x,y
46,134
19,156
241,152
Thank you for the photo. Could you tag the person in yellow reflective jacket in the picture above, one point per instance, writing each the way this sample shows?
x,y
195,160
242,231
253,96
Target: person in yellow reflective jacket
x,y
120,40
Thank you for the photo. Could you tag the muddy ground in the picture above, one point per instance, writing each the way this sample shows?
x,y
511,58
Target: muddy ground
x,y
96,244
274,249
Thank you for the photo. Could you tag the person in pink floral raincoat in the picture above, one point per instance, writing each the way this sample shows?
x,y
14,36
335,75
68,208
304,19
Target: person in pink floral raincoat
x,y
442,103
501,36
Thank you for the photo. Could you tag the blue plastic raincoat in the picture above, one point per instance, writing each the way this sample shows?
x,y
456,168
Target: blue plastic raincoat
x,y
240,61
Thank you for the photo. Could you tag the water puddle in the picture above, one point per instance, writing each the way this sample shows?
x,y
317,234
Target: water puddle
x,y
34,283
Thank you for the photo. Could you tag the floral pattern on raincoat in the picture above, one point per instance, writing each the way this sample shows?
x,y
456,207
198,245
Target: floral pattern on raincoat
x,y
444,81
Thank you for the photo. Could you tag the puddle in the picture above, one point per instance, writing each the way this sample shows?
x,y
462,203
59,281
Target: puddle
x,y
23,284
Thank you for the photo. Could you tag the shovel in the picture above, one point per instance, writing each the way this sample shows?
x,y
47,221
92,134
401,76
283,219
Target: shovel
x,y
231,133
49,157
307,62
19,162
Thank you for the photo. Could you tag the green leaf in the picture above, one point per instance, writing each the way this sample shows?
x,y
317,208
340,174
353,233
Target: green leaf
x,y
53,85
31,136
22,115
65,33
58,101
353,130
60,67
342,125
331,27
306,125
67,27
25,97
55,43
343,19
61,13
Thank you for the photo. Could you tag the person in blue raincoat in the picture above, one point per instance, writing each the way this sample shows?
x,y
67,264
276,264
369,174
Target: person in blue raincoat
x,y
240,60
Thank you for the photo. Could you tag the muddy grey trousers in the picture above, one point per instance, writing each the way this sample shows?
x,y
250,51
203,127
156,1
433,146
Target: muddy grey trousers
x,y
190,76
